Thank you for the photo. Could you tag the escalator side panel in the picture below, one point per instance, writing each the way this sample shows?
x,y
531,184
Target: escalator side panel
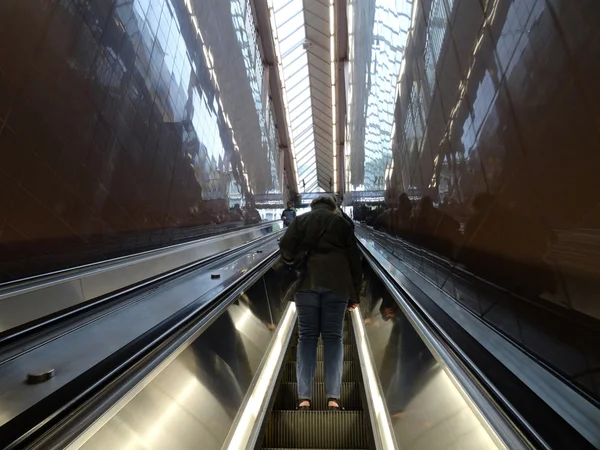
x,y
197,397
426,409
42,297
94,344
521,397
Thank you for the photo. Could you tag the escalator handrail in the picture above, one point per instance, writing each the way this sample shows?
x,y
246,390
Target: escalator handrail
x,y
381,424
470,277
514,410
536,313
30,304
248,423
76,410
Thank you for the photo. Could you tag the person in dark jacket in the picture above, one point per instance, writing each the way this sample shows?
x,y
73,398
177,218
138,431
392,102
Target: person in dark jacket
x,y
348,219
331,284
288,215
252,215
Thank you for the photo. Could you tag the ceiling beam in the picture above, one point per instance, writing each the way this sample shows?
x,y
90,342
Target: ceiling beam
x,y
341,37
262,23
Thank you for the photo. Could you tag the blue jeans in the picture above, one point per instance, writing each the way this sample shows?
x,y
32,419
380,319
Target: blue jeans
x,y
320,311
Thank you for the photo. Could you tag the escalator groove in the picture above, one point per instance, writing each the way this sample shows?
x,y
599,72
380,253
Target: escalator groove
x,y
319,428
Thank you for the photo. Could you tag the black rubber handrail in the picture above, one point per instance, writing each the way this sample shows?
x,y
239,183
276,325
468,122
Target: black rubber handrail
x,y
470,277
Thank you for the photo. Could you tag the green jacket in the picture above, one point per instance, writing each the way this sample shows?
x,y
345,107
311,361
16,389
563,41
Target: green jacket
x,y
335,262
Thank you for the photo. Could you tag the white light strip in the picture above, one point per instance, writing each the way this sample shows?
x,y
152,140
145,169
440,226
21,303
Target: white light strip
x,y
333,90
382,426
255,402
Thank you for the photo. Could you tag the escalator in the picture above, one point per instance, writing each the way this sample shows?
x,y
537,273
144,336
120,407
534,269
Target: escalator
x,y
319,428
224,376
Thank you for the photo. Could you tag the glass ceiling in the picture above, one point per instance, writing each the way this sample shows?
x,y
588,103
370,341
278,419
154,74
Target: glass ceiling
x,y
289,35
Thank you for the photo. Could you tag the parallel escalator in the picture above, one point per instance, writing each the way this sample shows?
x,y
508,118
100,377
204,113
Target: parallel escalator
x,y
223,376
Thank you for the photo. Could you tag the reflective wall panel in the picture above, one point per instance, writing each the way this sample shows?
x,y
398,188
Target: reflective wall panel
x,y
127,125
426,409
495,125
378,30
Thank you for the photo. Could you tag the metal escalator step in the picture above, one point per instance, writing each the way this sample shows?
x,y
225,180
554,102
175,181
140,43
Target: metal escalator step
x,y
316,429
287,396
269,448
349,353
350,372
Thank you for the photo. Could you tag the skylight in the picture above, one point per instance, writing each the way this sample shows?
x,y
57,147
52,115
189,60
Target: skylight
x,y
287,20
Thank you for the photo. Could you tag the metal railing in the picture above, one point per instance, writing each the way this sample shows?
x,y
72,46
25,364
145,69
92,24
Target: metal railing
x,y
43,296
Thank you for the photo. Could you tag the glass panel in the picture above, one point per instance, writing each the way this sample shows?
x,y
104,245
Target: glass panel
x,y
287,11
302,129
289,23
302,118
291,48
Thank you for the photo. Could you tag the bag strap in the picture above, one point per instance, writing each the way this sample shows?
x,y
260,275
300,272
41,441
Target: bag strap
x,y
320,235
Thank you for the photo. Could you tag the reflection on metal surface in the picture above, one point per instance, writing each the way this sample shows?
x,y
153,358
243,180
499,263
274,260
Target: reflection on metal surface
x,y
535,329
29,301
82,348
427,410
380,418
193,402
251,415
572,406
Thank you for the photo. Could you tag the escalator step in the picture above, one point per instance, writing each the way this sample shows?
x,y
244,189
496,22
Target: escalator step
x,y
350,372
316,429
287,395
349,353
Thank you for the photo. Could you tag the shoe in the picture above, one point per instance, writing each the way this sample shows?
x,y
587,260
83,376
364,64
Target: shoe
x,y
305,408
334,408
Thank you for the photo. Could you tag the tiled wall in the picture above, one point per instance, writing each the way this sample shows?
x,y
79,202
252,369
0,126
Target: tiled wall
x,y
500,96
125,125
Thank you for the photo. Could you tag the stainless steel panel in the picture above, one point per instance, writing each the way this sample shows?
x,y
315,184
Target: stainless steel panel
x,y
193,402
72,354
427,410
578,411
562,340
23,308
34,300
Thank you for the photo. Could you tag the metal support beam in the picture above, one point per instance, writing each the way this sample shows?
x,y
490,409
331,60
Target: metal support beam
x,y
262,23
341,36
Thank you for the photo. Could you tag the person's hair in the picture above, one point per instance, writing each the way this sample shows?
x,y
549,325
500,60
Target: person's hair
x,y
426,202
404,201
483,200
326,200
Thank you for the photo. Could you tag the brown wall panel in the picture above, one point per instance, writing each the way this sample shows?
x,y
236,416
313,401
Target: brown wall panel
x,y
113,130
